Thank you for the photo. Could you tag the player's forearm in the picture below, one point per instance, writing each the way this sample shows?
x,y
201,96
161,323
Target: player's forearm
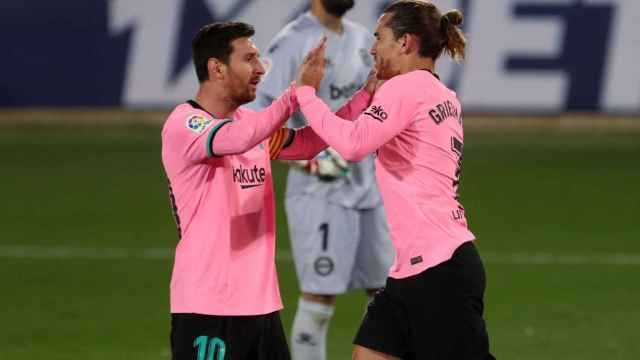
x,y
351,140
356,105
306,145
244,134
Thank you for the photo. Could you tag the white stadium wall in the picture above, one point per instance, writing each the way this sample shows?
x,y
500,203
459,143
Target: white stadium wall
x,y
523,55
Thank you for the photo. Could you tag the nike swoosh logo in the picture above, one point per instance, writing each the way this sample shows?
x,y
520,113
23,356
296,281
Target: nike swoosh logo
x,y
249,186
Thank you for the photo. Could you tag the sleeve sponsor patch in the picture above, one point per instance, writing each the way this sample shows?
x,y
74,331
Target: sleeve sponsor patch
x,y
377,112
198,123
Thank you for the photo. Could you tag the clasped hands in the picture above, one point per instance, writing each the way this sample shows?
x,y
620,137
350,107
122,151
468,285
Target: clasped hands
x,y
312,69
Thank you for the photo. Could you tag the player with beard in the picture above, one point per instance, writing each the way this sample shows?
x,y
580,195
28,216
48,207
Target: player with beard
x,y
225,299
337,226
432,304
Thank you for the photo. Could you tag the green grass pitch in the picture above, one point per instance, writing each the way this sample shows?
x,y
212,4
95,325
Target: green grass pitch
x,y
84,211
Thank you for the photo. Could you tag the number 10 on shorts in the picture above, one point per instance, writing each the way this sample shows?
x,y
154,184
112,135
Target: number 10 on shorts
x,y
207,348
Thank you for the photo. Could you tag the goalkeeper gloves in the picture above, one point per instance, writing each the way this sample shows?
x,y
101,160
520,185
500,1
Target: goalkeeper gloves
x,y
327,166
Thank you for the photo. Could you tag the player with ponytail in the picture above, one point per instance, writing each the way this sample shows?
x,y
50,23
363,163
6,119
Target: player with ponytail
x,y
432,304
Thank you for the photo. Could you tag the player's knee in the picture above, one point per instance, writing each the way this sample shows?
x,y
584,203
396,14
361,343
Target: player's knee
x,y
318,298
359,353
354,353
363,353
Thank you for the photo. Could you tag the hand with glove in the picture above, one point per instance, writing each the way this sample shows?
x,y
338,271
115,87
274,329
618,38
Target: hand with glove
x,y
327,166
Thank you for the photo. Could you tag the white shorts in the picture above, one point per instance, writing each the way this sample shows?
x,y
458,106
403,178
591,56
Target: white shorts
x,y
336,248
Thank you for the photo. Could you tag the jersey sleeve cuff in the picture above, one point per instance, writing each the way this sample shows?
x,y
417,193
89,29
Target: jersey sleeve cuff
x,y
212,134
289,140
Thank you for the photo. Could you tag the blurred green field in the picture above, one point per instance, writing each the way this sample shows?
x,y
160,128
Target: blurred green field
x,y
86,232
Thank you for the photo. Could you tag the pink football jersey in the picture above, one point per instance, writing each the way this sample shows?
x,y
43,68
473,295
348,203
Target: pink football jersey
x,y
414,125
224,206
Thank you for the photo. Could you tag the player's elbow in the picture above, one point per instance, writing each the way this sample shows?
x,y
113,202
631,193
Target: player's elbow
x,y
355,157
314,152
352,154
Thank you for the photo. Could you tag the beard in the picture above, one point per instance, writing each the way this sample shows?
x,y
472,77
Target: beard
x,y
383,69
242,96
337,8
240,89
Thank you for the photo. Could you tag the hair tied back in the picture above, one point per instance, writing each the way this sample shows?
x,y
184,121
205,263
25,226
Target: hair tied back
x,y
453,17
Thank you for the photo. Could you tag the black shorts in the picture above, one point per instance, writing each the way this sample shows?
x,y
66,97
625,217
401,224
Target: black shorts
x,y
436,314
208,337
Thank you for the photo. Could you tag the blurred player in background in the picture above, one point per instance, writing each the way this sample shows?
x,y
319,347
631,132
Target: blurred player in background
x,y
336,220
432,304
225,299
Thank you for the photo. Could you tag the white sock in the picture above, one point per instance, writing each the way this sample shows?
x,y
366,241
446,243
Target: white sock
x,y
309,333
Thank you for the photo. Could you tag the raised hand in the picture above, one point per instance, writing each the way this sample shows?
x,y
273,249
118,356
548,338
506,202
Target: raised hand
x,y
311,71
373,83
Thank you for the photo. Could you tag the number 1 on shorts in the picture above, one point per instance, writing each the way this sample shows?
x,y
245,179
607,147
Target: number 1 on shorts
x,y
324,228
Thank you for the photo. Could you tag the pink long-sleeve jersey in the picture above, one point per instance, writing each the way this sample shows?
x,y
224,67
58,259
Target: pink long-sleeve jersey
x,y
414,125
220,175
221,188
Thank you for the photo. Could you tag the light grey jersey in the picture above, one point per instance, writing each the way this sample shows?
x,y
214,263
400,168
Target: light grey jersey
x,y
348,64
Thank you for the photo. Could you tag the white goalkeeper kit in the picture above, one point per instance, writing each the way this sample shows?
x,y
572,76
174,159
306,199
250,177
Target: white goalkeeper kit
x,y
337,225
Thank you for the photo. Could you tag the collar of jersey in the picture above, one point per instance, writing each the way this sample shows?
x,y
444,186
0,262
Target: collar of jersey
x,y
432,73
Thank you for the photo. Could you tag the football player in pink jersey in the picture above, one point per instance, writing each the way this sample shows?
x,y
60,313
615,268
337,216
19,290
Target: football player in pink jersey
x,y
432,304
224,295
337,228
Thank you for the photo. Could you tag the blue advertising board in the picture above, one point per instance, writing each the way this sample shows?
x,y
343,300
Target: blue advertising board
x,y
523,55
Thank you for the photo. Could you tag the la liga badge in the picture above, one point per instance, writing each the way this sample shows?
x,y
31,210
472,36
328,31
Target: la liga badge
x,y
197,123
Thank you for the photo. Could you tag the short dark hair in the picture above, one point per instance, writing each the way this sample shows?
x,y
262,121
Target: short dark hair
x,y
214,41
436,31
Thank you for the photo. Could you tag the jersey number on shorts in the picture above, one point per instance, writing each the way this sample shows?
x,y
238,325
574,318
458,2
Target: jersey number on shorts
x,y
324,228
209,347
